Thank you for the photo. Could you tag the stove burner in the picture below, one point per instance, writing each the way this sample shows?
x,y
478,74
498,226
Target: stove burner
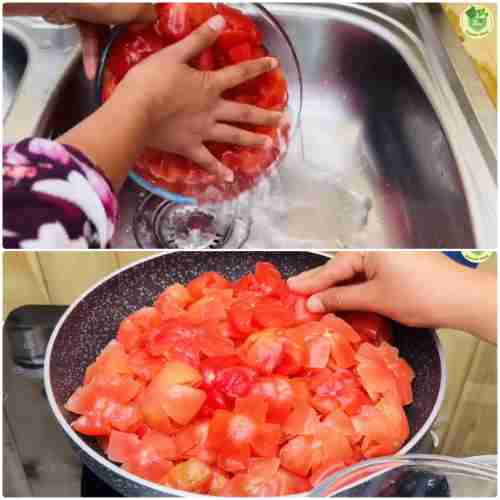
x,y
160,223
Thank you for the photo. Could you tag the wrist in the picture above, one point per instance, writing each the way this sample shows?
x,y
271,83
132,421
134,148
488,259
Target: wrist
x,y
135,107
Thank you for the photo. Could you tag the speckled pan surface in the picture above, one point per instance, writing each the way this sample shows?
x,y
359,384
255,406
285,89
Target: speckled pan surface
x,y
94,320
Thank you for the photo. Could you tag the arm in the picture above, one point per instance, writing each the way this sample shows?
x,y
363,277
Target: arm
x,y
114,136
423,289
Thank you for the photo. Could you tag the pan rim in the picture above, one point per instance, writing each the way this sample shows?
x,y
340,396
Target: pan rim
x,y
103,461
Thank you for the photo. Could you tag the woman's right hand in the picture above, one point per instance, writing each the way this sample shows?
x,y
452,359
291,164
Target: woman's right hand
x,y
184,107
421,289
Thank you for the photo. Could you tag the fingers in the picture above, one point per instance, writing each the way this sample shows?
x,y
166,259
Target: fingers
x,y
360,297
229,111
208,162
198,40
231,76
343,267
233,135
90,48
111,13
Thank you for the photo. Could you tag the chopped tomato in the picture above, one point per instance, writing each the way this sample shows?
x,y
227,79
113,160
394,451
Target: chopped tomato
x,y
297,455
201,394
279,395
241,316
370,326
271,313
206,281
262,351
192,475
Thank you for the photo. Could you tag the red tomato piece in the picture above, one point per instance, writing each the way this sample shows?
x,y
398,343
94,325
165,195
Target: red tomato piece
x,y
302,421
122,446
191,475
271,313
317,352
91,424
241,316
297,455
278,393
268,277
291,484
150,468
338,325
131,48
371,326
235,382
145,366
173,20
262,351
181,402
199,285
237,21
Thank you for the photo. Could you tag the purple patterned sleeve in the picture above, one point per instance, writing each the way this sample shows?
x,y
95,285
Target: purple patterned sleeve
x,y
55,197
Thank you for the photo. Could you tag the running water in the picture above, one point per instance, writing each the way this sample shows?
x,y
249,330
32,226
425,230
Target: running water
x,y
302,204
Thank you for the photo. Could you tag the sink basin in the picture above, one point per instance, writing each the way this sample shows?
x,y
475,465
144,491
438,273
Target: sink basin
x,y
379,160
15,60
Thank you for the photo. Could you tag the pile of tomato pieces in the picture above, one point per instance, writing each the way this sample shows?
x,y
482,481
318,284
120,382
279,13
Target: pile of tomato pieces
x,y
236,389
240,41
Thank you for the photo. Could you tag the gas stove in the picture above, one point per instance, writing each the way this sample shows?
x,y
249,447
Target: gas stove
x,y
40,459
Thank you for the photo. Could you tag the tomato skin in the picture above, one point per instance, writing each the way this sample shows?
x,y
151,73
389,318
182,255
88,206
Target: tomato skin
x,y
370,326
278,393
235,382
131,48
297,455
208,280
191,475
241,316
271,313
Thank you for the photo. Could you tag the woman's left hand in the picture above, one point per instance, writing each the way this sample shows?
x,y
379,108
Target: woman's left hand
x,y
91,19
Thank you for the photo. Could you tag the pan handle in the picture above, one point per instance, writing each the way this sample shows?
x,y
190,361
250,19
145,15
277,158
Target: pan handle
x,y
28,329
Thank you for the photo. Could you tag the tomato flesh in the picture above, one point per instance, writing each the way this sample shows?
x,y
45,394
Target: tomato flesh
x,y
234,388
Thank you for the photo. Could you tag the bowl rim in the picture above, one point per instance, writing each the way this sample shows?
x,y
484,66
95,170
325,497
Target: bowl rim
x,y
116,31
104,462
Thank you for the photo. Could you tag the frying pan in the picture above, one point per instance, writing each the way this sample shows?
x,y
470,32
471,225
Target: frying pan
x,y
93,319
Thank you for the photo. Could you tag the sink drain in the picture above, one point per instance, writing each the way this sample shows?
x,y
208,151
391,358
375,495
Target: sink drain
x,y
160,223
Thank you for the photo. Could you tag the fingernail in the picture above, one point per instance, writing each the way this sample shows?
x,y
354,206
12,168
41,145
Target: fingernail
x,y
274,63
90,65
217,23
229,176
284,121
314,304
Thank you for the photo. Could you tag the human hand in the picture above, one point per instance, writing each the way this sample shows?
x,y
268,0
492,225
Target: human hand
x,y
92,20
184,106
421,289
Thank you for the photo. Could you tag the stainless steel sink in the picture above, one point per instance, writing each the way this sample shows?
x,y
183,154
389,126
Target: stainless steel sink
x,y
15,59
389,153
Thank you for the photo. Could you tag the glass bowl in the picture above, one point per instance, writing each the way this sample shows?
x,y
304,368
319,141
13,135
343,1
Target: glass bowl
x,y
415,475
278,44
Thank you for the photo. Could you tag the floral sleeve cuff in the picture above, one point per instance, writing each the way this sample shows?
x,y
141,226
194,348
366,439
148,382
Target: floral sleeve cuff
x,y
55,197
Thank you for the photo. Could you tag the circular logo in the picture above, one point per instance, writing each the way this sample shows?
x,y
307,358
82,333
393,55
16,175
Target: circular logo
x,y
477,256
476,21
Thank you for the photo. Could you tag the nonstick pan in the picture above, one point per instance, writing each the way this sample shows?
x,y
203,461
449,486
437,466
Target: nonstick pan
x,y
93,319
